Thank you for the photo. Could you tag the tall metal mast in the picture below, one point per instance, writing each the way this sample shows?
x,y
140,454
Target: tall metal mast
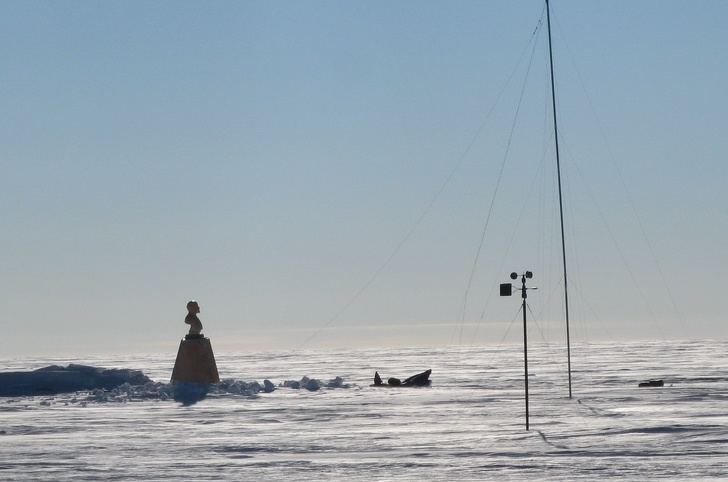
x,y
561,208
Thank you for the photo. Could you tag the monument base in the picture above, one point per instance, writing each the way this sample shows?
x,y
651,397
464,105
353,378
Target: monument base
x,y
195,362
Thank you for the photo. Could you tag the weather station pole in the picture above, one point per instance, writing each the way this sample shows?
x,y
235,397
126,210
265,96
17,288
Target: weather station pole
x,y
507,289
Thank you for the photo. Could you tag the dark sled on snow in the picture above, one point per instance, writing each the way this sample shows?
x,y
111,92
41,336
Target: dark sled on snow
x,y
419,380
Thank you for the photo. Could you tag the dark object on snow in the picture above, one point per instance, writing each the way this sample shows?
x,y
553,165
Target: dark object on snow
x,y
419,380
652,383
377,379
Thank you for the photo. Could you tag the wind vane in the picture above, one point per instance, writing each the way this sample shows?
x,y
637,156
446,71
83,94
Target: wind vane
x,y
507,289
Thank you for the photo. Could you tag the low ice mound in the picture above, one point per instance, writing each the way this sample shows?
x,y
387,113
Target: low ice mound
x,y
86,384
312,385
239,387
73,378
189,393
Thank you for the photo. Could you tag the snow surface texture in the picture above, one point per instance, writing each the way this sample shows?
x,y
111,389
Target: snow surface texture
x,y
469,425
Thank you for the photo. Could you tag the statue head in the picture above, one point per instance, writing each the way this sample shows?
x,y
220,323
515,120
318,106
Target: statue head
x,y
193,307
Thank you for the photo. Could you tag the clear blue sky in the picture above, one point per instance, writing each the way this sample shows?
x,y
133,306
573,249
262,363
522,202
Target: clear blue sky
x,y
273,160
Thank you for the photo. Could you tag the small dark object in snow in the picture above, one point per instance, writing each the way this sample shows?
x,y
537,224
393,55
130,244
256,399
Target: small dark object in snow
x,y
652,383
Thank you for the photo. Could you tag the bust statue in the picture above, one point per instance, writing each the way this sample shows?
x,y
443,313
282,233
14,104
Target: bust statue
x,y
193,308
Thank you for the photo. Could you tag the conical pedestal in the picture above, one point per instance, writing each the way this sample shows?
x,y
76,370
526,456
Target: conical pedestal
x,y
195,362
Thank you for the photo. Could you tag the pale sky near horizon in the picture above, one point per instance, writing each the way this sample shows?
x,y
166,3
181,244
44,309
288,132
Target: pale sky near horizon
x,y
320,173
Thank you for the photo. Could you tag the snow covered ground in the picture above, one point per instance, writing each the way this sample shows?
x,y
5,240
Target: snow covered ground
x,y
469,425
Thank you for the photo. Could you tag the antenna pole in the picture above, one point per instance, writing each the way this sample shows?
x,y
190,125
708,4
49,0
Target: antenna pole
x,y
561,208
